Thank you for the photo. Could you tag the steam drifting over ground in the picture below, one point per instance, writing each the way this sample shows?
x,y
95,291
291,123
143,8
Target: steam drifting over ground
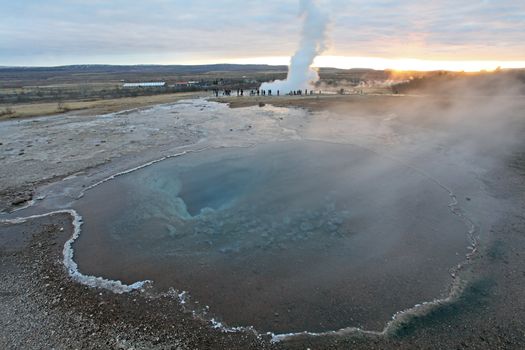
x,y
300,73
465,136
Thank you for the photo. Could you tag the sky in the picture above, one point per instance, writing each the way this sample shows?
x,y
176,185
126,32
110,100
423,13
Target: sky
x,y
403,34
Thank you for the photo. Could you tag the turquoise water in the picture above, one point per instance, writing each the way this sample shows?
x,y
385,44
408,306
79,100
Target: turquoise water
x,y
285,237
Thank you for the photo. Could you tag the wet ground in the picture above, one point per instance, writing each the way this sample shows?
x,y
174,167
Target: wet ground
x,y
437,156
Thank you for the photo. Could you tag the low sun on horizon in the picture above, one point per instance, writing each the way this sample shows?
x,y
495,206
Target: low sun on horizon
x,y
379,63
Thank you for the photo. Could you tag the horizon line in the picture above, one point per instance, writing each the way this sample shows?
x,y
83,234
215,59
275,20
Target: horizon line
x,y
333,62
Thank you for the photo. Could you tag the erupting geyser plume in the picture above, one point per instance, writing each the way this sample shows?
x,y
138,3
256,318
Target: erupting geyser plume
x,y
300,73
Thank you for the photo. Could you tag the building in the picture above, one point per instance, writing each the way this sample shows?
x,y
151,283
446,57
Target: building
x,y
145,84
185,84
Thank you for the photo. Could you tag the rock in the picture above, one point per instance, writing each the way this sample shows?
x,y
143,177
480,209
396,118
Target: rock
x,y
262,104
21,198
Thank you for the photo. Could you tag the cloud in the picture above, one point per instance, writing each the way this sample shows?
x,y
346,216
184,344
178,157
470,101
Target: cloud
x,y
82,31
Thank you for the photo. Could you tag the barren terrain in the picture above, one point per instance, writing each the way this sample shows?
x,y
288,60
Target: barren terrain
x,y
51,160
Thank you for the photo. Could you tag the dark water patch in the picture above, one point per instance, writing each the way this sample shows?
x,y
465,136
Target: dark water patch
x,y
286,237
476,295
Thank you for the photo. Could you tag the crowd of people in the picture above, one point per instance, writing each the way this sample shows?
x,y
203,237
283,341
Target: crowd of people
x,y
261,92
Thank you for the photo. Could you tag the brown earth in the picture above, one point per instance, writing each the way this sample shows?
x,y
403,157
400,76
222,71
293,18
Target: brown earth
x,y
90,107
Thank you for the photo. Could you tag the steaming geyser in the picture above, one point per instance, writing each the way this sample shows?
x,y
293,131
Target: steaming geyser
x,y
300,73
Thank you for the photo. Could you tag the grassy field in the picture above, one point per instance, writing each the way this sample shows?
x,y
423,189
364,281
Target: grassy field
x,y
91,107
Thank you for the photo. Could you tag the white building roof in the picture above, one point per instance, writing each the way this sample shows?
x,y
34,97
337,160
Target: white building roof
x,y
145,84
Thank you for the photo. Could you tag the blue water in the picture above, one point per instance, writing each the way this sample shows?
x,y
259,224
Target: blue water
x,y
285,237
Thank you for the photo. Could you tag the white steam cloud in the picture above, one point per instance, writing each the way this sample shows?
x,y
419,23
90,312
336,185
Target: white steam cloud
x,y
300,73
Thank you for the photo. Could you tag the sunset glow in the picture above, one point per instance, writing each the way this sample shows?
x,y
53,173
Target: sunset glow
x,y
401,35
402,64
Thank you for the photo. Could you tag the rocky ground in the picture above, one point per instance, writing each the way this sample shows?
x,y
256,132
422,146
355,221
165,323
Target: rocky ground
x,y
43,309
38,151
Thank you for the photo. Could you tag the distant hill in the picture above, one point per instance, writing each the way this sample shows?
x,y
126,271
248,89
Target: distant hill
x,y
171,69
17,77
98,68
113,75
93,74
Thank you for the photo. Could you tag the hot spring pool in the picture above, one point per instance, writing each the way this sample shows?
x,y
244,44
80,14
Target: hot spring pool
x,y
285,237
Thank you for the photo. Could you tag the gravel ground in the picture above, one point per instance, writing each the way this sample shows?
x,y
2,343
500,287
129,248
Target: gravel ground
x,y
43,309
